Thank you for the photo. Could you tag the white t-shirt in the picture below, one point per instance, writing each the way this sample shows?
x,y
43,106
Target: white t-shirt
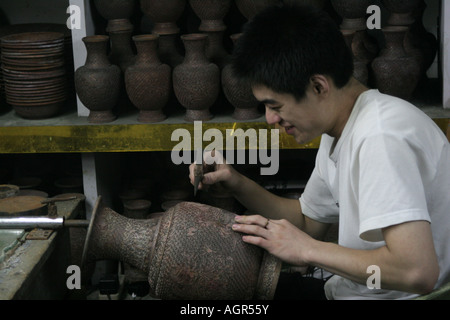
x,y
390,166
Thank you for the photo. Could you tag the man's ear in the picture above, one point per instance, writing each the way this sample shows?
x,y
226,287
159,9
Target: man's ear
x,y
319,84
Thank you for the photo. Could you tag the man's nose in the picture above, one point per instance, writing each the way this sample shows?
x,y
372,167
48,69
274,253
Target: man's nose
x,y
272,117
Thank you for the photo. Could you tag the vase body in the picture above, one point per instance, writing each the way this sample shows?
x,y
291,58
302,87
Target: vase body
x,y
396,73
164,14
97,83
211,13
352,12
148,82
239,93
190,252
196,82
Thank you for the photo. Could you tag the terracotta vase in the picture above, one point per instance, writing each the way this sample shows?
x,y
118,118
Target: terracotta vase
x,y
97,83
148,82
396,73
352,12
249,8
168,50
164,14
360,70
196,81
190,252
364,46
121,53
401,12
215,50
239,93
211,13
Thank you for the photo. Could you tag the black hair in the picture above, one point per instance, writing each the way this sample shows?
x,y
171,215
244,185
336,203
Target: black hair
x,y
284,46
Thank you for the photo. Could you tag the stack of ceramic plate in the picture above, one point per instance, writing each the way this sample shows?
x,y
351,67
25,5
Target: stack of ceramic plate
x,y
34,73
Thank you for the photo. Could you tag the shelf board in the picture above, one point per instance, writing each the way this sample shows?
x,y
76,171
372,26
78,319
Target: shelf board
x,y
69,133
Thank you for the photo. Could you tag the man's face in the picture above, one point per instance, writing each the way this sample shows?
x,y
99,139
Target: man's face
x,y
305,120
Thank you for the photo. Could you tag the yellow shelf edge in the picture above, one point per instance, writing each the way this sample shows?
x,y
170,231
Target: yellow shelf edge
x,y
127,137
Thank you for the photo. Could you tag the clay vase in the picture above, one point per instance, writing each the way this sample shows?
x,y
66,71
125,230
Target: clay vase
x,y
352,12
401,12
250,8
211,13
148,82
164,14
215,50
190,252
239,93
360,70
168,50
396,73
97,83
121,53
196,82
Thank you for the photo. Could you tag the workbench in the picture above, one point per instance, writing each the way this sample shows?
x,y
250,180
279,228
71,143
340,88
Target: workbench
x,y
37,269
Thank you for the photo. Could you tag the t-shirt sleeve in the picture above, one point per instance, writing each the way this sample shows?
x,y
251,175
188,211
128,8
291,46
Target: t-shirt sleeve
x,y
390,184
317,201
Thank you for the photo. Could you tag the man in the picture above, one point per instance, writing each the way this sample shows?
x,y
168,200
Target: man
x,y
382,170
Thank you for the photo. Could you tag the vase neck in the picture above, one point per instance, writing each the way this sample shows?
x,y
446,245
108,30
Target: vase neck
x,y
195,46
394,41
97,48
147,51
115,237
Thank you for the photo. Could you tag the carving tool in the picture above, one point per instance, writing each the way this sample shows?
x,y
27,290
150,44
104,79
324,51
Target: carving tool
x,y
198,176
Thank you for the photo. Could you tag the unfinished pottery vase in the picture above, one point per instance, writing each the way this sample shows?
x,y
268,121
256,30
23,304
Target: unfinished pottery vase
x,y
148,82
196,82
190,252
394,65
239,93
97,83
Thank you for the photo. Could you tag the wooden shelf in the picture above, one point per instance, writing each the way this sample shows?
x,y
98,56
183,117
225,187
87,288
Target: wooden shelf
x,y
69,133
